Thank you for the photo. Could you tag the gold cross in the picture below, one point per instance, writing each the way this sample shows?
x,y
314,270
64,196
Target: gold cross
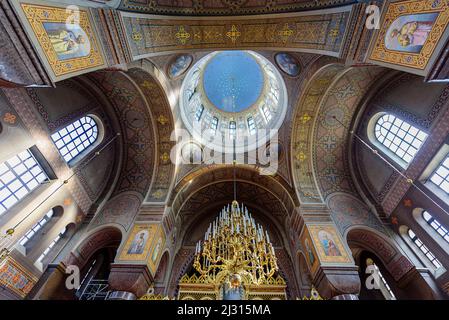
x,y
158,194
162,119
147,85
233,34
301,156
334,33
136,35
182,35
165,157
285,33
305,118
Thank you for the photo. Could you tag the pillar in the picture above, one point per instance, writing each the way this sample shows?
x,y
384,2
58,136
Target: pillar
x,y
330,262
129,281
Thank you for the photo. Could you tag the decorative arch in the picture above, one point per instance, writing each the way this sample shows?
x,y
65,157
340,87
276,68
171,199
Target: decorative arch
x,y
137,127
203,176
101,237
331,128
397,264
303,273
321,75
162,271
157,100
204,205
182,261
139,146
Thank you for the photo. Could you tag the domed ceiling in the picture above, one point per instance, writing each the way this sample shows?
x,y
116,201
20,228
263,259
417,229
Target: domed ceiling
x,y
233,96
233,81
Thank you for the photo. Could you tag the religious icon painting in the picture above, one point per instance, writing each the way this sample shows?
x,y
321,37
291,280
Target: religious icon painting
x,y
145,244
156,249
330,247
138,244
180,65
288,64
66,41
411,35
309,251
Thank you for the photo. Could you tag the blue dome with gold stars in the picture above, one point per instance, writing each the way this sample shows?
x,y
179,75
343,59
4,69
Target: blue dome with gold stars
x,y
233,81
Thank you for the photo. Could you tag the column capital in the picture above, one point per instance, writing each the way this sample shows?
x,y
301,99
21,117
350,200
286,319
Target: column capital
x,y
131,278
332,282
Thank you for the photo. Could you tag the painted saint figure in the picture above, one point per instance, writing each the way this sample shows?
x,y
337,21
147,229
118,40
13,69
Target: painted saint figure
x,y
409,33
156,250
138,243
329,246
413,33
309,252
67,40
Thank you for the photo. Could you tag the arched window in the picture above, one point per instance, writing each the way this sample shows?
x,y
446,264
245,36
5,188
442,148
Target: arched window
x,y
251,125
440,177
27,237
401,138
51,245
266,113
76,137
232,129
436,225
424,249
19,176
214,124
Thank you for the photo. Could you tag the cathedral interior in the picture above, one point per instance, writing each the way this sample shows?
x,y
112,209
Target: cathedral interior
x,y
222,150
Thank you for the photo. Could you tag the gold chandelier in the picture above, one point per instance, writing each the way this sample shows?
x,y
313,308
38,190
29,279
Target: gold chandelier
x,y
234,247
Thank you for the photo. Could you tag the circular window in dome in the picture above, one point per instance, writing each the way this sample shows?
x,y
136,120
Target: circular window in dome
x,y
233,101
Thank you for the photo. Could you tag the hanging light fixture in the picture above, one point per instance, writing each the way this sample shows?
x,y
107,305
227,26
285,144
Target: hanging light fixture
x,y
234,245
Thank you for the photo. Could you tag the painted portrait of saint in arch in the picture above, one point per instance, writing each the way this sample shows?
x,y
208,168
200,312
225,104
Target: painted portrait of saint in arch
x,y
68,40
409,33
139,242
328,243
